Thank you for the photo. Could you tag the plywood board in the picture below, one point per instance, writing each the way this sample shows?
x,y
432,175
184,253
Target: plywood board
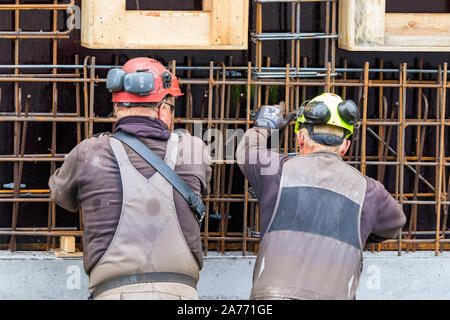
x,y
223,24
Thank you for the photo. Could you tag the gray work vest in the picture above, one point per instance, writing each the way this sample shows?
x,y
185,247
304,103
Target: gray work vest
x,y
312,248
148,237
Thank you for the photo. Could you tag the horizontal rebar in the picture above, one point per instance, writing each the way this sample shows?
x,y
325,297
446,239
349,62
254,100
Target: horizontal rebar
x,y
38,229
62,6
291,36
206,68
41,233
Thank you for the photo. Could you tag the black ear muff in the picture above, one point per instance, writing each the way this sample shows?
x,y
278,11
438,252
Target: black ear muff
x,y
317,112
140,83
349,112
114,80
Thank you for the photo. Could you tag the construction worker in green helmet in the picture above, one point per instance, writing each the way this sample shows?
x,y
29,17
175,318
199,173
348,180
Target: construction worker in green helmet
x,y
316,212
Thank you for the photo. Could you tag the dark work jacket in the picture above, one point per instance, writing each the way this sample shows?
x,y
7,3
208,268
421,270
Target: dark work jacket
x,y
317,214
90,179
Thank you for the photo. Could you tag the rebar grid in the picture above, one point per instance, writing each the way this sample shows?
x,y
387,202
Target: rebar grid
x,y
383,129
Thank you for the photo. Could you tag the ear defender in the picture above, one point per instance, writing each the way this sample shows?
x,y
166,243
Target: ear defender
x,y
313,112
317,112
140,83
349,112
114,80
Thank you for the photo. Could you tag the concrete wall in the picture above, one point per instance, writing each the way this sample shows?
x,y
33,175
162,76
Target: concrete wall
x,y
419,275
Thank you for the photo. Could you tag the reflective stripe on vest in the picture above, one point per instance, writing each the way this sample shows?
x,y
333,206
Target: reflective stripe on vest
x,y
148,237
312,248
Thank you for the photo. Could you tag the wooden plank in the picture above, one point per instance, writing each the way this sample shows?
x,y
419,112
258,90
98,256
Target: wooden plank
x,y
207,5
67,244
410,29
346,25
59,253
369,21
168,28
227,24
87,21
361,22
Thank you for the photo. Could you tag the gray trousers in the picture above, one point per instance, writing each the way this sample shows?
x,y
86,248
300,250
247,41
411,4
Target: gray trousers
x,y
151,291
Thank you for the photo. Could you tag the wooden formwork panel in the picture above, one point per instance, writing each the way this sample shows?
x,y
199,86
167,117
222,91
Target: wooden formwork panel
x,y
222,24
365,26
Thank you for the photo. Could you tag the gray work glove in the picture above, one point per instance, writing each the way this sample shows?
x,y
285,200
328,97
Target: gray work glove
x,y
272,117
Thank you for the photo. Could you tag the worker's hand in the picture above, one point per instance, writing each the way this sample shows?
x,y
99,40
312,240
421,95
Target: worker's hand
x,y
272,117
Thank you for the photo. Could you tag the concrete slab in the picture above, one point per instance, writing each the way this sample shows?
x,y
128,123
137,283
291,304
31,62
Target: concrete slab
x,y
414,275
226,277
41,276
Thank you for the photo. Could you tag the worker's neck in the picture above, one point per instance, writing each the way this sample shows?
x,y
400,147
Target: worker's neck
x,y
316,148
147,113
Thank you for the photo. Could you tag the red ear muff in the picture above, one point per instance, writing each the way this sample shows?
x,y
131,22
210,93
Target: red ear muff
x,y
349,112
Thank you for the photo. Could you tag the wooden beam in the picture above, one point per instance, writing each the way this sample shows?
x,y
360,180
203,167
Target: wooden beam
x,y
67,244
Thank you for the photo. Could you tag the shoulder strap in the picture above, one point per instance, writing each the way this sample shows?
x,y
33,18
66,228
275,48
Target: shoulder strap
x,y
194,201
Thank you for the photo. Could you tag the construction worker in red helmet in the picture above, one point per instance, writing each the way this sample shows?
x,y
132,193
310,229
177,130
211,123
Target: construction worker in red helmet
x,y
317,213
140,192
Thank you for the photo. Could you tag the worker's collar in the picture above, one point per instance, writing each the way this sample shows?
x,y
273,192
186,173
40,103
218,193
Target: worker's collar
x,y
145,127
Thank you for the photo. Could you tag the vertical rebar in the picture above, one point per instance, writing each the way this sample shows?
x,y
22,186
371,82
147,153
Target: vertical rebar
x,y
12,243
247,126
401,146
441,168
364,118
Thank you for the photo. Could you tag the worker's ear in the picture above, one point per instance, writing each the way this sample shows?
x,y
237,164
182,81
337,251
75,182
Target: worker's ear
x,y
165,114
301,141
345,149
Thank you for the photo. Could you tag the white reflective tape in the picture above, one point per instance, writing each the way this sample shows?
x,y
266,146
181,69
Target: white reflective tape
x,y
262,267
350,283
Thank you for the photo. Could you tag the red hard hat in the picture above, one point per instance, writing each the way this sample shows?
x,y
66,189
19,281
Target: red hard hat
x,y
160,90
